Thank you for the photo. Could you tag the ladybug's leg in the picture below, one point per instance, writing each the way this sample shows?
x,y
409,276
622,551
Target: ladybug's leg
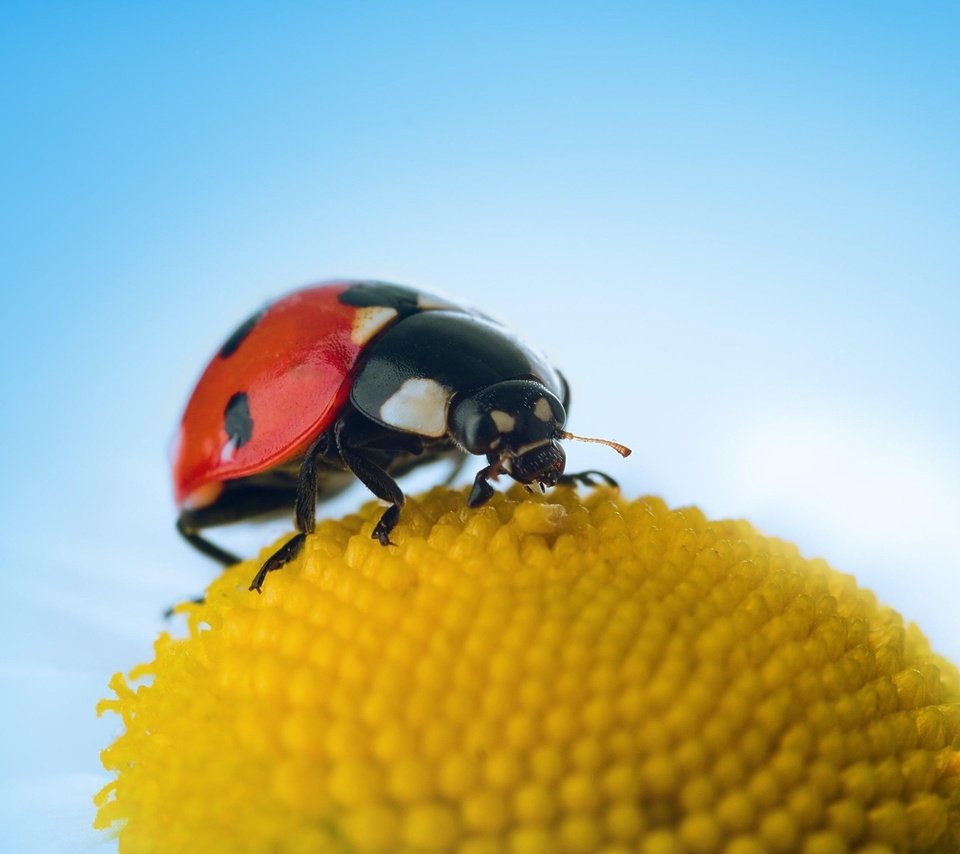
x,y
482,491
188,527
304,513
282,556
239,500
373,478
587,478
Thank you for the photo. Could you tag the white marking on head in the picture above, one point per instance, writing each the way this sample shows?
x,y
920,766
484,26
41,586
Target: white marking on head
x,y
504,420
369,321
495,444
542,410
418,406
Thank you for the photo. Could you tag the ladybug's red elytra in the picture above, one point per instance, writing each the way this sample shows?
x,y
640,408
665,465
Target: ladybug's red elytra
x,y
361,380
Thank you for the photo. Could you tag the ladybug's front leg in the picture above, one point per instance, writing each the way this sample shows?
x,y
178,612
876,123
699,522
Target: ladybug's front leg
x,y
482,492
587,478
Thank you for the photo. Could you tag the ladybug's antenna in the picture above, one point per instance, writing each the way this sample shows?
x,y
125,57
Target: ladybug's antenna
x,y
623,450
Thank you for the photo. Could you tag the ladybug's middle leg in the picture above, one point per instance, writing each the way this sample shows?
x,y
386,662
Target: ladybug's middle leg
x,y
482,492
373,478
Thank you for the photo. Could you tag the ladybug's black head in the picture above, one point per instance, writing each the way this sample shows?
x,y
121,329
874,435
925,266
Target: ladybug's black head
x,y
516,425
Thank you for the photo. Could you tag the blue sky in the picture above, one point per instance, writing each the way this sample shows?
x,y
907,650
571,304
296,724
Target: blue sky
x,y
735,228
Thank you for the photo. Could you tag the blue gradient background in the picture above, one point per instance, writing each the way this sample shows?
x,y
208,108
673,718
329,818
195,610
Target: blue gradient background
x,y
735,229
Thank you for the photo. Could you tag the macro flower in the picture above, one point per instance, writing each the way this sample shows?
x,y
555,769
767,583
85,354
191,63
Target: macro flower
x,y
561,673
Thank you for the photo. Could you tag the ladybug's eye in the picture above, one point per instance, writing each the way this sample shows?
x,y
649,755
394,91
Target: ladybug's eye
x,y
473,426
485,433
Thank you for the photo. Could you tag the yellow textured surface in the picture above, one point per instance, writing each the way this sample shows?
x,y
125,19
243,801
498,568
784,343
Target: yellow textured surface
x,y
566,673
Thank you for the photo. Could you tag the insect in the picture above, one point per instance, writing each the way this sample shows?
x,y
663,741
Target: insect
x,y
361,380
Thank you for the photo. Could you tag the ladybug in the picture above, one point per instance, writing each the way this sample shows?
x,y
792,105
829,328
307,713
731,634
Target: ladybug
x,y
361,380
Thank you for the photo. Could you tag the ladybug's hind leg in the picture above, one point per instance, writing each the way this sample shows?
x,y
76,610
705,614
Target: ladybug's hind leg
x,y
240,499
188,528
237,501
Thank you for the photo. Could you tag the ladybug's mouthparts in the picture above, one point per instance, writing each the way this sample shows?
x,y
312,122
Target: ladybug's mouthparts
x,y
543,462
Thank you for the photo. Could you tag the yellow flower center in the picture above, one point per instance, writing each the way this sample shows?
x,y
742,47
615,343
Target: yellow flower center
x,y
563,673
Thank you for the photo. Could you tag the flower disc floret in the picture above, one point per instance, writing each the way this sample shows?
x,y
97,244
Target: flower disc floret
x,y
552,673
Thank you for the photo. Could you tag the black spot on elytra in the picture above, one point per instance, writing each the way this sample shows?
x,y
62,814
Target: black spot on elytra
x,y
368,294
236,419
239,334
